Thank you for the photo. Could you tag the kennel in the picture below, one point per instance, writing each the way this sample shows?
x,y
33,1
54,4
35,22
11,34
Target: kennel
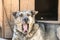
x,y
49,11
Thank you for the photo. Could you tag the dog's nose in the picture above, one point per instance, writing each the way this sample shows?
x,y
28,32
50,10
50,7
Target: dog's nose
x,y
26,19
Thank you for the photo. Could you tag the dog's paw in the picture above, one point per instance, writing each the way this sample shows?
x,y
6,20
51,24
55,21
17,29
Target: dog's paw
x,y
29,35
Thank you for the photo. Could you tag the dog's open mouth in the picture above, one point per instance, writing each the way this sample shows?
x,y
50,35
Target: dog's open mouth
x,y
25,27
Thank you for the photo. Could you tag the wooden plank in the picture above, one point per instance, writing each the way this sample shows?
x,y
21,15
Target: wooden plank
x,y
7,13
9,7
27,5
59,10
1,14
31,5
23,5
15,5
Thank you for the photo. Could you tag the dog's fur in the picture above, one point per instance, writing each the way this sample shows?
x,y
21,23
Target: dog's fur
x,y
34,32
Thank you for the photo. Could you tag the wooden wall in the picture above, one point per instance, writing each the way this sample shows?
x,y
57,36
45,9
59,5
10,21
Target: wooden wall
x,y
1,13
27,4
59,10
9,6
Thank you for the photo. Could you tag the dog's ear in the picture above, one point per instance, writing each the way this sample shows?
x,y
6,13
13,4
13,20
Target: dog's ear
x,y
34,12
14,14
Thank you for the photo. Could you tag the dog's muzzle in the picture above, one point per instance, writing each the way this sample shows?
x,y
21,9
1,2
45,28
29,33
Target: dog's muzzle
x,y
25,24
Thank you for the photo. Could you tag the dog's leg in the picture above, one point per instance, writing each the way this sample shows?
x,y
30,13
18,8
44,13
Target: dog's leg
x,y
15,38
15,34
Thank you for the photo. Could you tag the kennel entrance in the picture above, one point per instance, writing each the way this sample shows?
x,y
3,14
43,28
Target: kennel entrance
x,y
48,9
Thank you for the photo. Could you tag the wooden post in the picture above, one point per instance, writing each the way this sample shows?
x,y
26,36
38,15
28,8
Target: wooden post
x,y
1,16
6,14
9,7
59,10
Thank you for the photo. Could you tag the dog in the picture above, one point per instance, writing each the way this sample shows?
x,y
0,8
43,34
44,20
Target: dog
x,y
25,27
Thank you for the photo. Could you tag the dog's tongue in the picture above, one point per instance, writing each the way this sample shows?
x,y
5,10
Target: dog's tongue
x,y
25,27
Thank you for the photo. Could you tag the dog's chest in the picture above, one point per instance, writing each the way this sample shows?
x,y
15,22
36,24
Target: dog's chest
x,y
36,36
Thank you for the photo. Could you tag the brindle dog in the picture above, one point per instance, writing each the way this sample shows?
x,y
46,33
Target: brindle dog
x,y
25,27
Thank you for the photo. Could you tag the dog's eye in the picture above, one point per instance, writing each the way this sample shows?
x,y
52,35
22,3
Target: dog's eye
x,y
21,15
28,14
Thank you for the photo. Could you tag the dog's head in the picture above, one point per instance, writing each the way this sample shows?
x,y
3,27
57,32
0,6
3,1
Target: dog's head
x,y
24,20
